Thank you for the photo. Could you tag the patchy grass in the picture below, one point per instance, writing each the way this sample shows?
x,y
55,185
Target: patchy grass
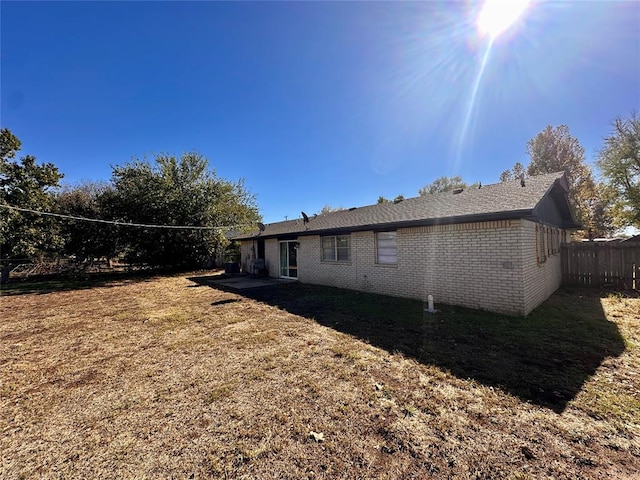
x,y
166,377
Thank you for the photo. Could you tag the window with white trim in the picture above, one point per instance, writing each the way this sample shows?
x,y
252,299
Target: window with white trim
x,y
387,248
336,248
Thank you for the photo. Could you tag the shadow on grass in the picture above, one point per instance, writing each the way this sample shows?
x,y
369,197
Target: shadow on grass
x,y
61,283
225,302
544,358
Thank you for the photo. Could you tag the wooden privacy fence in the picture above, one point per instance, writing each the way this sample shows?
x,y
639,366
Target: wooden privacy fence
x,y
598,264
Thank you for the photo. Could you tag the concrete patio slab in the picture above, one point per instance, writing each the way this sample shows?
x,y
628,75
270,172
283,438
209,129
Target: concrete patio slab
x,y
242,282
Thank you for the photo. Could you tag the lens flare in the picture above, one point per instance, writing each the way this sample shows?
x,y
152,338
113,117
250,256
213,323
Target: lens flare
x,y
472,99
498,15
495,17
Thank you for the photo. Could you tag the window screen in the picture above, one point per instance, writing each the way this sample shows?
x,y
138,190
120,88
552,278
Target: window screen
x,y
386,247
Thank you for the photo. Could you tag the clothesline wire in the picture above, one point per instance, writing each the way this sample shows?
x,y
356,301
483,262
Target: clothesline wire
x,y
124,224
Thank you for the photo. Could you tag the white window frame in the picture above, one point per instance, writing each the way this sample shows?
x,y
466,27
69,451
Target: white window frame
x,y
336,248
389,241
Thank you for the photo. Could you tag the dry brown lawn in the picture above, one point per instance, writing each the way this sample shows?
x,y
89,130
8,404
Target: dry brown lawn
x,y
169,378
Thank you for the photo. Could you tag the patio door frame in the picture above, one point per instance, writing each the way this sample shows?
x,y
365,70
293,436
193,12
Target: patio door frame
x,y
290,244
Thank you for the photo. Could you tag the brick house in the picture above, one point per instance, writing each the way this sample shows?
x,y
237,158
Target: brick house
x,y
495,248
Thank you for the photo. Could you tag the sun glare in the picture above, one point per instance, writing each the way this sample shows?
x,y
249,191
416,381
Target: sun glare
x,y
495,17
498,15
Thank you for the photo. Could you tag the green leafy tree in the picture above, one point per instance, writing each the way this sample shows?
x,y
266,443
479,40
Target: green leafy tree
x,y
9,144
443,184
88,240
619,161
28,185
177,192
396,199
555,149
603,209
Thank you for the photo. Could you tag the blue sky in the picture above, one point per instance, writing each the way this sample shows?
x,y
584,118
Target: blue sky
x,y
312,103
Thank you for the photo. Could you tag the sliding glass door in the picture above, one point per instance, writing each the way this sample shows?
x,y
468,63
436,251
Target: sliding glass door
x,y
289,259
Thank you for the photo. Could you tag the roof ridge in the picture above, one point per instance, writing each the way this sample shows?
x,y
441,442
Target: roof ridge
x,y
491,199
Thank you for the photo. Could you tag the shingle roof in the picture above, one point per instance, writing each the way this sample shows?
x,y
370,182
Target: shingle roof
x,y
634,239
496,201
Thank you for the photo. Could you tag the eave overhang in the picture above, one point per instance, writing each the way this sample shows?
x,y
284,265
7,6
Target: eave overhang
x,y
379,227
